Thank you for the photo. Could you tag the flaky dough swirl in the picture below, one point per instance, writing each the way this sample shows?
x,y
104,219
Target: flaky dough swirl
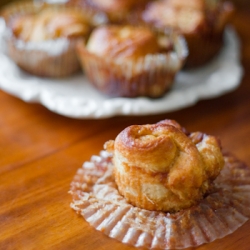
x,y
162,167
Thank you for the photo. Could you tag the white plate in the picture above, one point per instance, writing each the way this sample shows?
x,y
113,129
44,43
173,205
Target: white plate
x,y
75,97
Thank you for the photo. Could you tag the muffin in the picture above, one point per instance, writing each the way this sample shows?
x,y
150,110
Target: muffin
x,y
201,22
158,186
127,61
159,167
41,39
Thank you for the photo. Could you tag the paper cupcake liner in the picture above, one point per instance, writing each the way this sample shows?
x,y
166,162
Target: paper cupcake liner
x,y
54,58
203,49
96,198
152,75
205,46
50,58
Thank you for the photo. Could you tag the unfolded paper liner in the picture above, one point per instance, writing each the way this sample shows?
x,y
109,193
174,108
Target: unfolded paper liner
x,y
96,198
49,58
152,75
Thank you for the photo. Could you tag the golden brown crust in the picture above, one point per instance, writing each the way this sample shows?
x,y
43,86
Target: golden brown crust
x,y
159,167
122,42
188,16
50,24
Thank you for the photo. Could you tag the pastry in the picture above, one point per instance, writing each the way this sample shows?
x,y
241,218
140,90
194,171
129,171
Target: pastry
x,y
217,183
41,39
201,22
122,60
158,167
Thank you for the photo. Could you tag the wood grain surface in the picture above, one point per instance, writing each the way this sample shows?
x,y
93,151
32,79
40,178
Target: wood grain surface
x,y
41,151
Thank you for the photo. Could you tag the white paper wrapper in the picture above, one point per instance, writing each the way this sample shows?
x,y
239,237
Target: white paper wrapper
x,y
96,198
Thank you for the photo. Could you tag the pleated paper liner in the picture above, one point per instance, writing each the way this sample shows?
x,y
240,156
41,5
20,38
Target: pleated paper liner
x,y
151,75
96,198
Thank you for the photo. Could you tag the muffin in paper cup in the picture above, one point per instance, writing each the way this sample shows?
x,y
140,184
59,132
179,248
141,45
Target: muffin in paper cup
x,y
201,22
127,61
223,208
41,38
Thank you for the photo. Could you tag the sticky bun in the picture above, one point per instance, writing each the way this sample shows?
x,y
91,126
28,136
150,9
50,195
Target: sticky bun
x,y
159,167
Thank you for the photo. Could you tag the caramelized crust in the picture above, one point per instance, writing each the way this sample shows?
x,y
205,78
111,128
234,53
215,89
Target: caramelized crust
x,y
122,42
188,16
161,167
50,24
184,16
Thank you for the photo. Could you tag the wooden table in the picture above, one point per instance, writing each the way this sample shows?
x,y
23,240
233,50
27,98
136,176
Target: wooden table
x,y
41,152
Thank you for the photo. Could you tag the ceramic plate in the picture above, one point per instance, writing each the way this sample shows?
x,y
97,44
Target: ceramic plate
x,y
75,97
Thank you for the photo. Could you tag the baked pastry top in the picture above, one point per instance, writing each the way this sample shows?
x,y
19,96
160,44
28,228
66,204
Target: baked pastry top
x,y
122,42
186,16
162,167
50,24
